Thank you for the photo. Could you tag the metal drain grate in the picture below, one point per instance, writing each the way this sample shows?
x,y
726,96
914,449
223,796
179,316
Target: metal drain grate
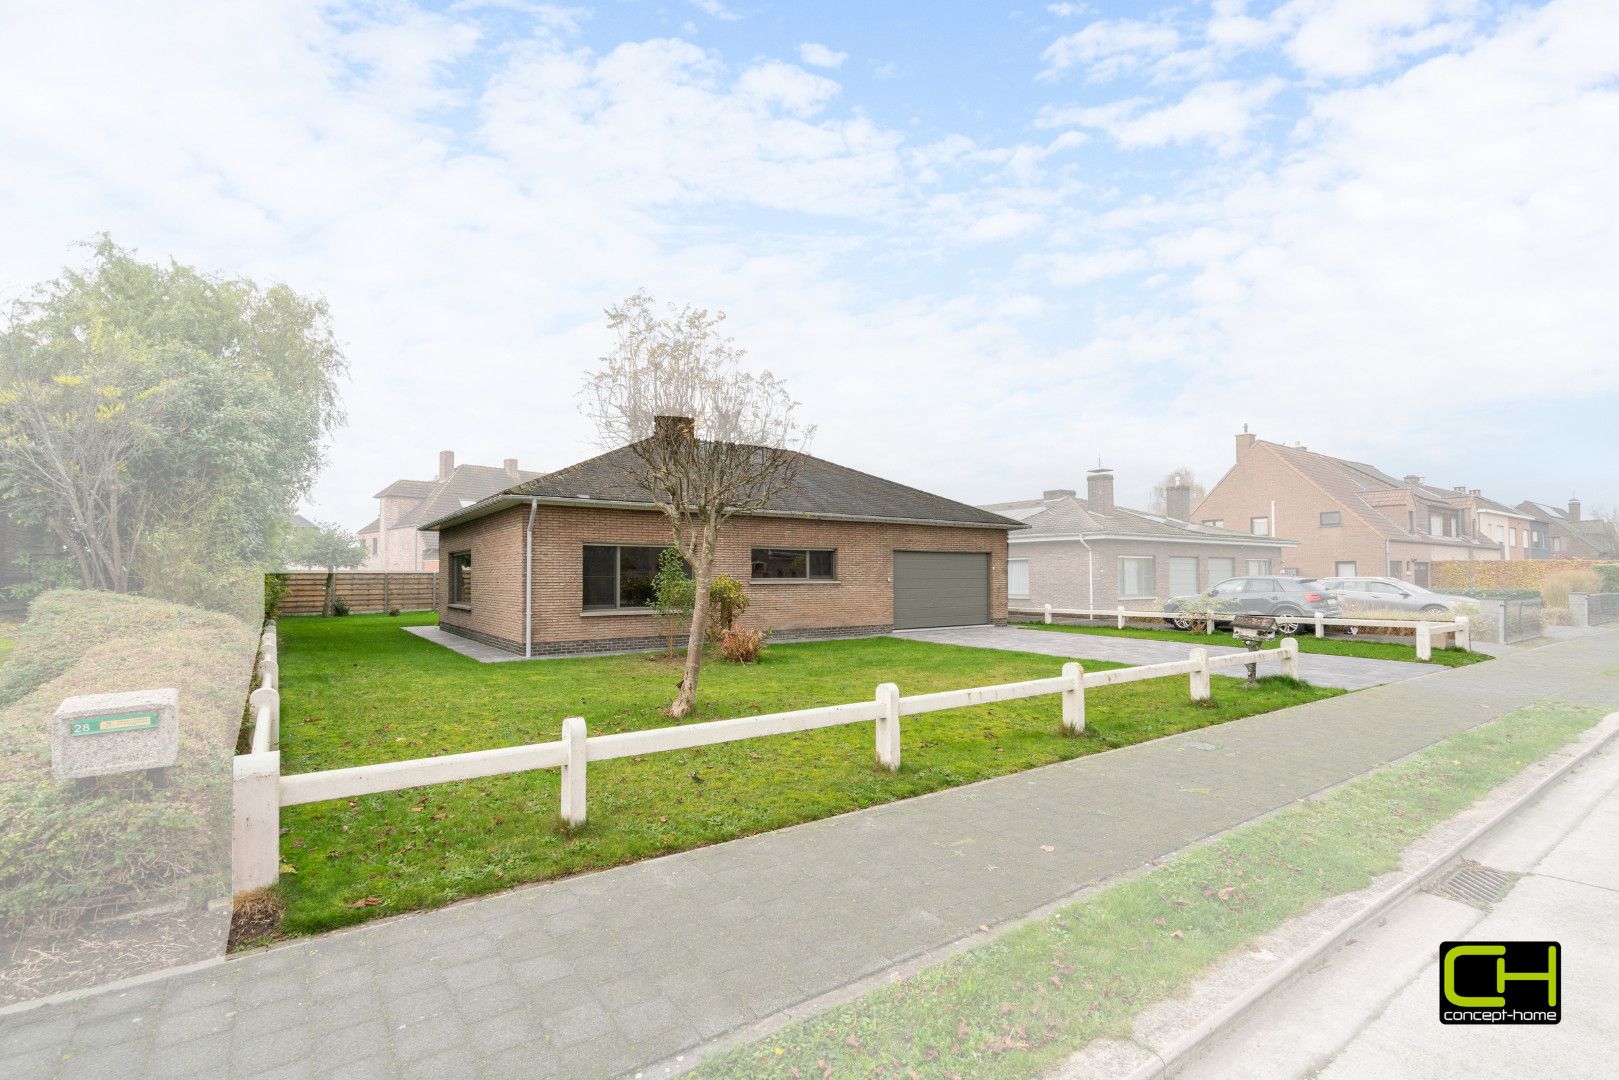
x,y
1474,883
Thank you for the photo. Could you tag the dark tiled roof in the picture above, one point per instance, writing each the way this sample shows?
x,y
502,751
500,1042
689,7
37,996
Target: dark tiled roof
x,y
466,485
1349,482
410,489
301,522
820,489
370,528
1069,515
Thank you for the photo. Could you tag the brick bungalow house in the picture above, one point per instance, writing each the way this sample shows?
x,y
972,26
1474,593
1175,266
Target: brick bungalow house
x,y
1092,553
1351,519
394,539
562,564
1570,535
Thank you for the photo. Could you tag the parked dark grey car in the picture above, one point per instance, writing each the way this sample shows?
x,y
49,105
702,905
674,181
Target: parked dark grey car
x,y
1388,594
1290,600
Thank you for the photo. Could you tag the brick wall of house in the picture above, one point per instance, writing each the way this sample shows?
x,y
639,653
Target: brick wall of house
x,y
1246,492
860,601
1058,569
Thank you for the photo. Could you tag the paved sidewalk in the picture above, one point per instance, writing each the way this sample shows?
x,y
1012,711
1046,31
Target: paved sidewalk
x,y
1346,672
604,973
1369,1008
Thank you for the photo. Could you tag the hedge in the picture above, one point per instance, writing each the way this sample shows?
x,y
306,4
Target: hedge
x,y
1460,574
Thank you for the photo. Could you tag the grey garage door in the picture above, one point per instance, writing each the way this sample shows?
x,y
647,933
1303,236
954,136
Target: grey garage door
x,y
940,588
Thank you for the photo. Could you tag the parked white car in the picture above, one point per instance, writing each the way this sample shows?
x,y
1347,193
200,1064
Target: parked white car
x,y
1389,594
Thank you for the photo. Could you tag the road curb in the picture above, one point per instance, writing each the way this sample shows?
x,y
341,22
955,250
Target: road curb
x,y
1166,1060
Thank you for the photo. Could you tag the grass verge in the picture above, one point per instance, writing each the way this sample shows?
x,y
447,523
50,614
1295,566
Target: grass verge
x,y
1371,650
360,690
1015,1006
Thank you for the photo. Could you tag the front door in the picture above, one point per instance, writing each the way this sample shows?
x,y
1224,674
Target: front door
x,y
1420,575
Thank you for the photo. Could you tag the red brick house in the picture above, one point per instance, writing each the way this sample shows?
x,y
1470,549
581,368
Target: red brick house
x,y
394,539
563,563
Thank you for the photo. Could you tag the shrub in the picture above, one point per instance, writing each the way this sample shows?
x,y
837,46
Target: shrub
x,y
1610,575
394,612
275,591
1556,587
1496,594
340,606
726,600
742,646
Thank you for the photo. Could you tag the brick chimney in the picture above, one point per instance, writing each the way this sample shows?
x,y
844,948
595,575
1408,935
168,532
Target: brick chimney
x,y
667,427
1178,499
1099,489
1244,442
1056,493
1413,479
1573,508
510,465
446,464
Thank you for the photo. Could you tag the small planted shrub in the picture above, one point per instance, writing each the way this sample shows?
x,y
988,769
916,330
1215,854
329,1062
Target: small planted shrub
x,y
726,601
742,646
394,611
340,606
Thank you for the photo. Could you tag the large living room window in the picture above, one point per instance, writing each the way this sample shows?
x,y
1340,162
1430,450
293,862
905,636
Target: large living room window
x,y
461,578
788,564
619,577
1136,575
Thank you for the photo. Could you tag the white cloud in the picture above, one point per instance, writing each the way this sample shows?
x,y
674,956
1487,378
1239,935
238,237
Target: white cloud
x,y
817,55
1109,48
1219,112
715,9
1347,38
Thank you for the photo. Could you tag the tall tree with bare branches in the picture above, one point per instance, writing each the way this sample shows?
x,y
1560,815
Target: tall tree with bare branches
x,y
707,439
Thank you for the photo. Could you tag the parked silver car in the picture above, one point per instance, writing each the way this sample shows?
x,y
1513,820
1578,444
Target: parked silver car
x,y
1388,594
1289,600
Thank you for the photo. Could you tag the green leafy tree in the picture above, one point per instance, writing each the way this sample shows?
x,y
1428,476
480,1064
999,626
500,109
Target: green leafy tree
x,y
149,410
329,547
673,594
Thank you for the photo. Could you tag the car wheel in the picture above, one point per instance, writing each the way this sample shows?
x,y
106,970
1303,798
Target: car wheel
x,y
1287,620
1434,609
1181,621
1351,631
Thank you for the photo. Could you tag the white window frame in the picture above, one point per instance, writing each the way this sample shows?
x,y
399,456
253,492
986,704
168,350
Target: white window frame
x,y
1339,571
1259,526
1258,568
1011,580
1152,577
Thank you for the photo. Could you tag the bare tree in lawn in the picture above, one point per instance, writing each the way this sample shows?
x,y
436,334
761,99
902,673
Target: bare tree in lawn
x,y
707,439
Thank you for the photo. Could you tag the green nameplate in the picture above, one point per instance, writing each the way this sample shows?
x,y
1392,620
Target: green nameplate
x,y
106,725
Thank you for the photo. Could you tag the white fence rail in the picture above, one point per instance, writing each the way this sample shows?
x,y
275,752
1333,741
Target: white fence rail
x,y
1458,629
260,790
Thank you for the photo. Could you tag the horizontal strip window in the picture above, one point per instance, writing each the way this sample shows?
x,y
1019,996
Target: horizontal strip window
x,y
619,576
794,564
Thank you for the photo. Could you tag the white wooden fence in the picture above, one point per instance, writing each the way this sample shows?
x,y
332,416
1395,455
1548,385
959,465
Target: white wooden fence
x,y
260,790
1459,629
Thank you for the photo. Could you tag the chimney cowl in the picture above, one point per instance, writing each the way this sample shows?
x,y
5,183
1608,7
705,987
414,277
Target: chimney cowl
x,y
1099,489
446,464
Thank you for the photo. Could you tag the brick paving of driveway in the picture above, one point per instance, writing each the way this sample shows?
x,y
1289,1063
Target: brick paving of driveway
x,y
1345,672
606,972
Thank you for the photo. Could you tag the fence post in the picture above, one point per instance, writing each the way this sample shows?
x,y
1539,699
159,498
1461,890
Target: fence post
x,y
1289,648
1424,641
1210,628
385,604
888,727
1121,616
1320,625
255,831
573,771
266,700
1200,678
1073,698
1048,614
1464,632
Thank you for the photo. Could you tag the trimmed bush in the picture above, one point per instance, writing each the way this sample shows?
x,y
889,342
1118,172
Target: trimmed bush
x,y
742,646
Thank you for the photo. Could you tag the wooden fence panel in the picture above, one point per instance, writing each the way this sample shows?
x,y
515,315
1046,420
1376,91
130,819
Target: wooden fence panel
x,y
365,593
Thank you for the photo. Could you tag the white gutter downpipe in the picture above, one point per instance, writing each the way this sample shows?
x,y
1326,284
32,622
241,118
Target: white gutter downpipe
x,y
528,580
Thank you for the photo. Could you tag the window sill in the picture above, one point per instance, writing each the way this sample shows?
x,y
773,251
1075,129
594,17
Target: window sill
x,y
602,613
459,607
793,581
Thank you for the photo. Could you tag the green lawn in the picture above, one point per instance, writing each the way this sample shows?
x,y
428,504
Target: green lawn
x,y
1013,1007
1308,643
359,689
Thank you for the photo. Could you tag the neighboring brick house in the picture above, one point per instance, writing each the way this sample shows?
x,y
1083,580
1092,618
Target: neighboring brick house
x,y
1350,518
1569,534
839,553
1518,533
1091,553
394,539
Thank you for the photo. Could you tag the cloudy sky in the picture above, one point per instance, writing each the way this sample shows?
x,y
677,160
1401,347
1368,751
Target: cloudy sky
x,y
987,246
